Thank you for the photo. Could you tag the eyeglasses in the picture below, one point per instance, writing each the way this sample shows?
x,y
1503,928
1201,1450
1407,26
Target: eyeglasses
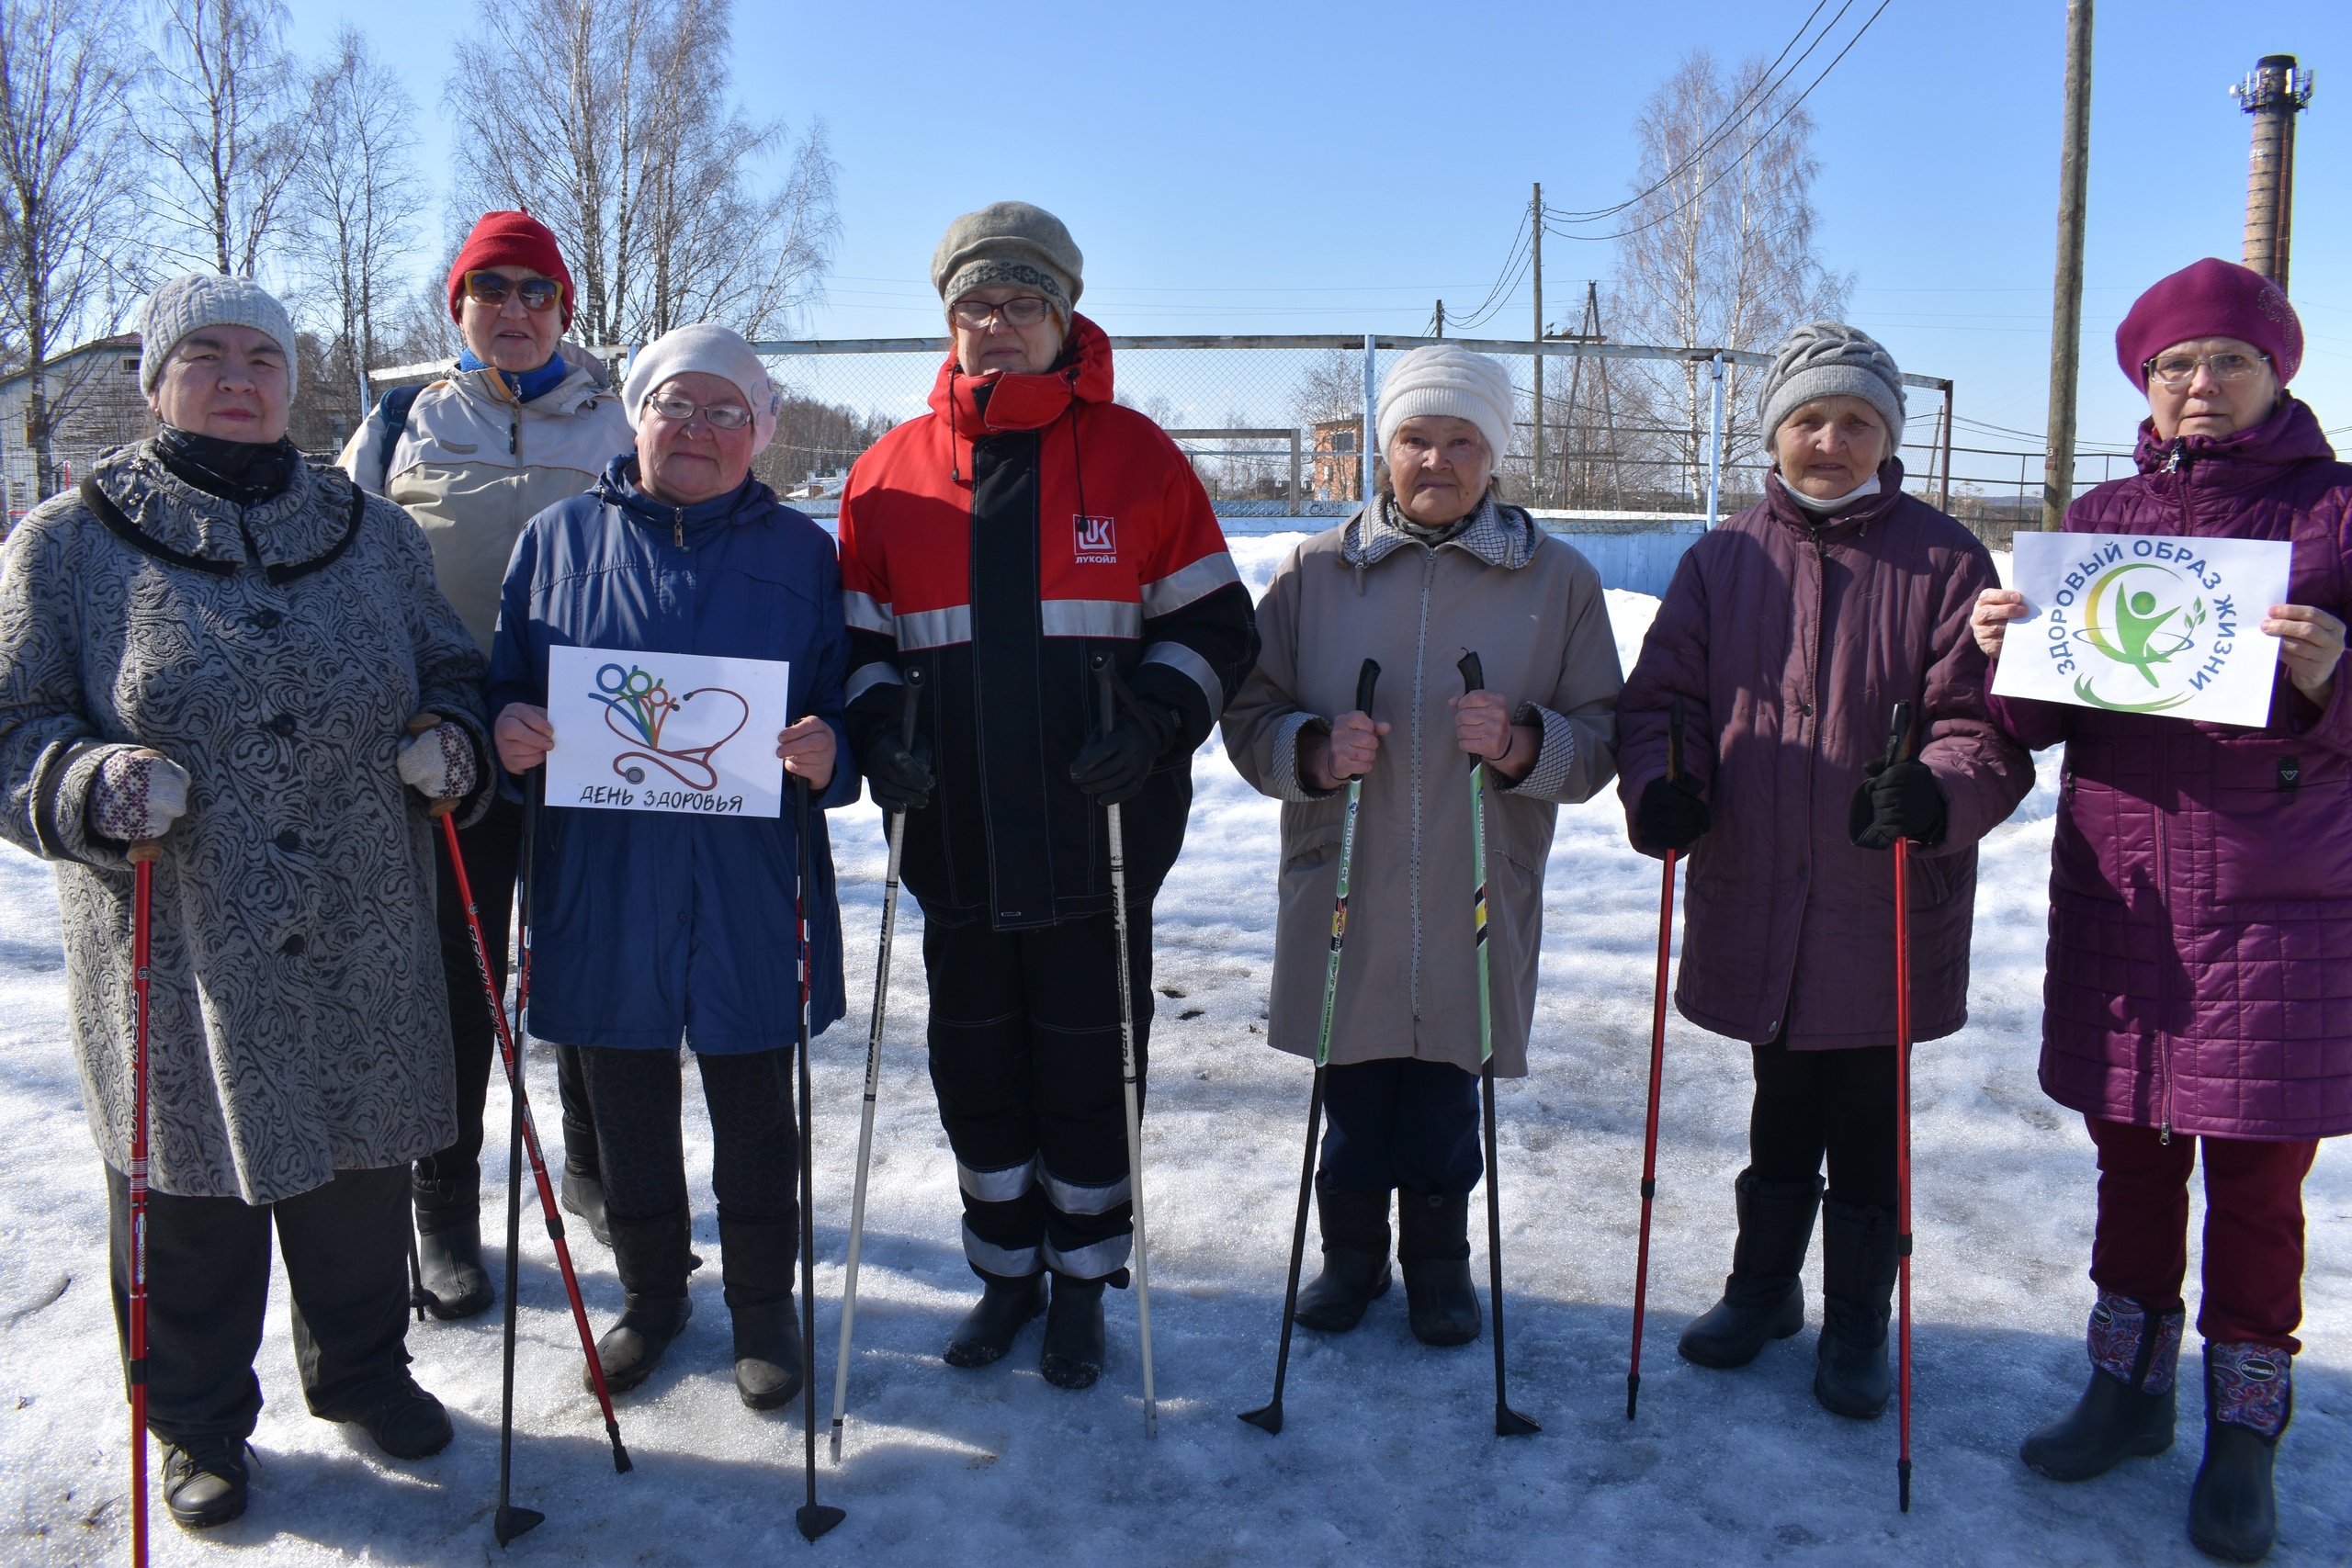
x,y
677,411
491,289
2175,371
975,315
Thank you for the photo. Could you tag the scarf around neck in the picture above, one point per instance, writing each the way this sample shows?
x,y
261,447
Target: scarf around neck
x,y
244,473
525,385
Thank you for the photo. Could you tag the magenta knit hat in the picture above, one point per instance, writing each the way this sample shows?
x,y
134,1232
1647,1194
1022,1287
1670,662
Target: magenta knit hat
x,y
2210,298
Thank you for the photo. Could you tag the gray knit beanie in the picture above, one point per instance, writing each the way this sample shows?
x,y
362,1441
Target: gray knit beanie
x,y
1829,359
210,299
1009,242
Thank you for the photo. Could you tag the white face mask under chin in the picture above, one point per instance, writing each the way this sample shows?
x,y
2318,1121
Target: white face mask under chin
x,y
1819,508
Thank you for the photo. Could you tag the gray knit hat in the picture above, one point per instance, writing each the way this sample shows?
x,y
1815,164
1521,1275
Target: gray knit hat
x,y
1829,359
210,299
1009,242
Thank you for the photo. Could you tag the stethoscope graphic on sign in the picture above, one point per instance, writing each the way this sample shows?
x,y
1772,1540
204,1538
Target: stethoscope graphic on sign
x,y
639,708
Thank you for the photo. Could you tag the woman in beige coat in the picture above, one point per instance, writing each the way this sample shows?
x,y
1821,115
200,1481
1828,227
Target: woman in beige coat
x,y
1434,568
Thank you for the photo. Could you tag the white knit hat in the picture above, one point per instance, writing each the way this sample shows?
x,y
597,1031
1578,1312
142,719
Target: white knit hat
x,y
1454,382
714,351
210,299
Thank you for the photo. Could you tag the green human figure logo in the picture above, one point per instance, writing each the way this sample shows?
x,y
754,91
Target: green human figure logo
x,y
2133,630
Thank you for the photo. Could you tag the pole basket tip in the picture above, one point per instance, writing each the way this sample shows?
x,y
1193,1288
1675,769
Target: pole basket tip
x,y
1268,1419
622,1463
1903,1481
1509,1423
1633,1392
816,1519
513,1521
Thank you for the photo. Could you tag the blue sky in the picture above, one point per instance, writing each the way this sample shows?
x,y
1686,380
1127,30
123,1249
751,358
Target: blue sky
x,y
1286,167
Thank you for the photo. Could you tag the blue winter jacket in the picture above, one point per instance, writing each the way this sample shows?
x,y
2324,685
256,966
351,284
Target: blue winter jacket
x,y
649,927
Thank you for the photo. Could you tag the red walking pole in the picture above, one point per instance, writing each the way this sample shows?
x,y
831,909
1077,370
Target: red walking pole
x,y
445,811
143,862
1657,1070
1897,743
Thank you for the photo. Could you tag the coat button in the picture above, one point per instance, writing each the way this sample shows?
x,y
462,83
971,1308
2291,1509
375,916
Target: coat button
x,y
289,841
292,947
282,726
268,620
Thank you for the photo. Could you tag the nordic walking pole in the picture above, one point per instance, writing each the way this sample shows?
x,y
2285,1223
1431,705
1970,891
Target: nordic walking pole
x,y
142,857
1270,1416
511,1521
898,833
1508,1423
445,811
1657,1070
1103,677
1897,745
813,1517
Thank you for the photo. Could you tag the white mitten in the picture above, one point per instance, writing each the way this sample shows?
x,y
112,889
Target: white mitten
x,y
439,763
137,796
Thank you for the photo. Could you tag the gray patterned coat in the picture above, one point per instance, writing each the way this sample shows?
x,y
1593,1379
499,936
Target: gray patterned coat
x,y
299,1021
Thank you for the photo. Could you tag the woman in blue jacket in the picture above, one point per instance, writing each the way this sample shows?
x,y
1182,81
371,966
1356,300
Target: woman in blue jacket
x,y
652,928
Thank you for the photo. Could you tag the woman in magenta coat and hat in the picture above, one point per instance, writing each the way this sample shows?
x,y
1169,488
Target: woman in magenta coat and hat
x,y
2200,917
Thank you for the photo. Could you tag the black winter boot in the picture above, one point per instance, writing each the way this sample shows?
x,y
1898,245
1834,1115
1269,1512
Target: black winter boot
x,y
2128,1409
584,1194
1355,1259
653,1260
1857,1270
987,1331
1763,1295
205,1482
755,1259
449,1247
403,1420
1434,1244
1073,1355
2249,1399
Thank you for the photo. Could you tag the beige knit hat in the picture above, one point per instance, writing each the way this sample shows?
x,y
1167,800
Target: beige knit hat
x,y
1009,242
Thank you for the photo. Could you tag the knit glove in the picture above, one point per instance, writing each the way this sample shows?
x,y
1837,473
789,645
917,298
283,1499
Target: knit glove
x,y
1113,768
1899,802
1674,813
137,795
896,776
439,764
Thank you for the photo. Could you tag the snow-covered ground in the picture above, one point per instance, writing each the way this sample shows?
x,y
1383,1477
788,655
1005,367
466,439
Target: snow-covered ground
x,y
1389,1455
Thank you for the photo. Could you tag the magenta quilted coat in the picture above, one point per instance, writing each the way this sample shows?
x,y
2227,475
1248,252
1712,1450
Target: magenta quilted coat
x,y
2199,972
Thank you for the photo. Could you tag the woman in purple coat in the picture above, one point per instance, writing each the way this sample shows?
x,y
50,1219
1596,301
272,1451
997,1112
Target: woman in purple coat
x,y
2200,917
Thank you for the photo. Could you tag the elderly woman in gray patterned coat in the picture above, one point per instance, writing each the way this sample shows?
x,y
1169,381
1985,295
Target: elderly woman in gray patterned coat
x,y
213,646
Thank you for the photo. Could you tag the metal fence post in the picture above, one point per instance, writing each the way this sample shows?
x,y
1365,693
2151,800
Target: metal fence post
x,y
1371,438
1293,471
1715,442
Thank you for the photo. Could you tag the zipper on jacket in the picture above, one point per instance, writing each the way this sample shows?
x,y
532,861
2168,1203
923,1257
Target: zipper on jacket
x,y
678,527
2164,911
1420,671
514,435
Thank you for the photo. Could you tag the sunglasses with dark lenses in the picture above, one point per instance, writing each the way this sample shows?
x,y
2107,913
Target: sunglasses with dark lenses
x,y
491,289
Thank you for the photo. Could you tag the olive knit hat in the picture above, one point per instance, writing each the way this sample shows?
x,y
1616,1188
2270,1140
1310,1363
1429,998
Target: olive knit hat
x,y
210,299
1009,242
1828,359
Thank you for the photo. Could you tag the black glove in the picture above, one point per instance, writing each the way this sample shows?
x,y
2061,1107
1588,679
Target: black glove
x,y
1112,768
1674,813
898,777
1900,802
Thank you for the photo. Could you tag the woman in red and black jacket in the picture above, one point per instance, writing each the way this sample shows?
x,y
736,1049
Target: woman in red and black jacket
x,y
1024,525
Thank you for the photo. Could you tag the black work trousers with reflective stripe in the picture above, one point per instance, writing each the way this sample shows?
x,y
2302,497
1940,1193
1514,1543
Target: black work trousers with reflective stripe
x,y
346,1246
1025,1060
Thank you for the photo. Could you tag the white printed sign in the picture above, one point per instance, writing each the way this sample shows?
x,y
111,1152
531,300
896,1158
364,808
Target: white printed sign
x,y
666,732
2137,623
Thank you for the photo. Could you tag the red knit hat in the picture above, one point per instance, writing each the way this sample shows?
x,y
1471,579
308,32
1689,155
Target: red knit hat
x,y
2210,298
509,239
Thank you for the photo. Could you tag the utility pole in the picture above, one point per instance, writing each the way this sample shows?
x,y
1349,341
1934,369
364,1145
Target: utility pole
x,y
1440,319
2066,291
1536,475
2274,93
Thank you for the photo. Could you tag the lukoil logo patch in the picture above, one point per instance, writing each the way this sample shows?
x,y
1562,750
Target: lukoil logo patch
x,y
1098,540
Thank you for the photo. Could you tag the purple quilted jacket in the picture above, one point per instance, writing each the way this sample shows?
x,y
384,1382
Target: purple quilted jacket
x,y
2199,972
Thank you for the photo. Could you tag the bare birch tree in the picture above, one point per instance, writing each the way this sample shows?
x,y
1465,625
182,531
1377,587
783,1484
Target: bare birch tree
x,y
225,125
621,144
1717,253
67,181
356,200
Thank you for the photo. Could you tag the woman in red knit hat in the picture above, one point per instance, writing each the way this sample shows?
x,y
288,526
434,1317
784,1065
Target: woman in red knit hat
x,y
473,456
2200,908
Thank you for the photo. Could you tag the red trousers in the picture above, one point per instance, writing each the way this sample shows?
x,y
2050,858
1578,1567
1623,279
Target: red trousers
x,y
2254,1229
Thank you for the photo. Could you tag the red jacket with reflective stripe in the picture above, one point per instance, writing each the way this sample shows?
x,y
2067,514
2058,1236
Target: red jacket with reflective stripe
x,y
1024,523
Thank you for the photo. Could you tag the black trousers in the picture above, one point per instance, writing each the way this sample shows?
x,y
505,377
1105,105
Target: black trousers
x,y
755,1160
1025,1061
346,1246
1401,1123
494,850
1840,1103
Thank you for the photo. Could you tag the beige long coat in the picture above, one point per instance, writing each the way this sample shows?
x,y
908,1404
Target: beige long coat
x,y
1531,607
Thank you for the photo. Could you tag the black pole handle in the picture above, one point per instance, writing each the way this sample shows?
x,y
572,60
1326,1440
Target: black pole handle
x,y
1366,678
1674,743
1898,740
1101,663
909,708
1473,674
